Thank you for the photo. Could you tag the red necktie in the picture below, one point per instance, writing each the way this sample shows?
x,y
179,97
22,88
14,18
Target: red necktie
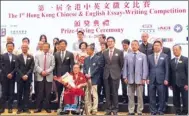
x,y
111,54
45,61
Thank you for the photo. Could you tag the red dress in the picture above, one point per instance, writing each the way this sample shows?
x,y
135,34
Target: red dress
x,y
71,93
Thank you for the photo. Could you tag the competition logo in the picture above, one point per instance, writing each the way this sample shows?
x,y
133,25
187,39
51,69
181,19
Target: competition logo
x,y
3,32
148,28
178,28
164,28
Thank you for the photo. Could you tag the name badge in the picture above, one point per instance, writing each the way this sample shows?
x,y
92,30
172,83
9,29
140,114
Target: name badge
x,y
139,58
116,54
162,58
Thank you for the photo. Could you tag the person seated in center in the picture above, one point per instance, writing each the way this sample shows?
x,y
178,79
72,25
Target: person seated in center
x,y
71,91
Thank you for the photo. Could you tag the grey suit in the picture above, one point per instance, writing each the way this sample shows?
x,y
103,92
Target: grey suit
x,y
44,83
135,74
112,75
157,75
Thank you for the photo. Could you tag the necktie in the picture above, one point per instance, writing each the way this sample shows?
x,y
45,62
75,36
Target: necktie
x,y
45,60
176,61
111,54
62,56
10,57
134,63
156,59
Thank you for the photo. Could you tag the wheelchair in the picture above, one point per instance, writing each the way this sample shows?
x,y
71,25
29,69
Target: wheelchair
x,y
80,106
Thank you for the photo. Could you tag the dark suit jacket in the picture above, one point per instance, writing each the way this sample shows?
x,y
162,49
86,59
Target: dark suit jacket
x,y
113,67
160,72
62,67
25,69
146,49
167,51
9,67
0,68
95,65
179,72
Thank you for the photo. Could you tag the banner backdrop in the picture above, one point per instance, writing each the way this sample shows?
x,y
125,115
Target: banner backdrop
x,y
122,19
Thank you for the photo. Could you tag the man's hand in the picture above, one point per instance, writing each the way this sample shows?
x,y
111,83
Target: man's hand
x,y
166,82
44,73
9,76
143,81
126,80
25,77
88,76
186,87
148,82
55,78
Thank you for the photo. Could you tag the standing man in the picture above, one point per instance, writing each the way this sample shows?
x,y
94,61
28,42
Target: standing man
x,y
9,67
0,76
91,69
145,48
126,50
64,61
179,80
24,78
158,63
80,36
101,39
113,60
44,64
10,39
135,73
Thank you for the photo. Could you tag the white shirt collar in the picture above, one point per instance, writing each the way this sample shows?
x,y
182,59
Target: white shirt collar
x,y
111,49
178,57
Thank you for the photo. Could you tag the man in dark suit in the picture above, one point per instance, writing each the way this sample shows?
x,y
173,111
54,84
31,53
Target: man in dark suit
x,y
91,68
126,50
179,80
0,76
101,88
24,78
9,67
64,61
113,60
158,78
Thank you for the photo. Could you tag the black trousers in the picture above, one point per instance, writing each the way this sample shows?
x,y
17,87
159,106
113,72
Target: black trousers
x,y
8,86
124,89
101,89
59,87
160,89
176,99
111,91
44,92
23,94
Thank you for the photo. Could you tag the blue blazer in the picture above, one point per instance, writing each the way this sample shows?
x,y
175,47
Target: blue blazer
x,y
95,65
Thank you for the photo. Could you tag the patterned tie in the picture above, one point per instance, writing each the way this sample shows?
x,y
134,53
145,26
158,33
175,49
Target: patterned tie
x,y
111,54
45,60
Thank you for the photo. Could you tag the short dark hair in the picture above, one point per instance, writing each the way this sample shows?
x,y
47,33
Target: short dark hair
x,y
63,40
104,43
80,32
56,38
25,38
40,38
92,46
103,36
78,65
111,37
47,44
157,41
178,46
126,41
82,44
10,43
136,41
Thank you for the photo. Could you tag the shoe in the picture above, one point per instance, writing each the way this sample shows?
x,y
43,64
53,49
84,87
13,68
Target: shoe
x,y
153,113
115,113
131,114
48,111
139,114
104,101
107,113
2,111
37,111
19,111
9,110
160,113
27,111
94,113
55,101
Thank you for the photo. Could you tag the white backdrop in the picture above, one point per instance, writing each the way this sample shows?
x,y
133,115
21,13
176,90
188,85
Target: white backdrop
x,y
122,19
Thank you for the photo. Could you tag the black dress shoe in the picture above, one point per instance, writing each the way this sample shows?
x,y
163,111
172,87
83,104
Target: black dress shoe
x,y
19,111
48,111
160,113
27,111
114,113
9,110
107,113
153,113
37,111
139,114
2,111
131,114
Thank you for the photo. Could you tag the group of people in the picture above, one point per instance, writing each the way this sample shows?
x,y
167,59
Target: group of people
x,y
98,72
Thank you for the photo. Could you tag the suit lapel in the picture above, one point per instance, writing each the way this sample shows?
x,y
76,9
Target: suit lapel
x,y
22,59
59,56
178,64
65,56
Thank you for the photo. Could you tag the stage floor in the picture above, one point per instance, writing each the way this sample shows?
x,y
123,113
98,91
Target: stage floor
x,y
54,113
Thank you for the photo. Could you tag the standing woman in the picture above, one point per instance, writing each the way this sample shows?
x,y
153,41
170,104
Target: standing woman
x,y
55,40
81,55
54,89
